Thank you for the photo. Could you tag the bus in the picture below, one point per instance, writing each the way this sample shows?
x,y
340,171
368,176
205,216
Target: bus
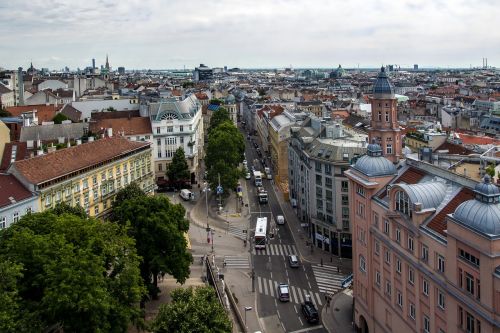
x,y
261,233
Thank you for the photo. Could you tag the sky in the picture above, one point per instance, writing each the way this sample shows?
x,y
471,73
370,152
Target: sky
x,y
167,34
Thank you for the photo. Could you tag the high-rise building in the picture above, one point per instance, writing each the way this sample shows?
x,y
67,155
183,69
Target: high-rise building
x,y
203,73
121,70
93,66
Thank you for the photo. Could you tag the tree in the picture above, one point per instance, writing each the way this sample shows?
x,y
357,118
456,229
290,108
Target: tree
x,y
178,170
158,227
10,320
225,150
4,112
59,118
76,274
131,191
218,117
192,310
64,208
490,170
216,101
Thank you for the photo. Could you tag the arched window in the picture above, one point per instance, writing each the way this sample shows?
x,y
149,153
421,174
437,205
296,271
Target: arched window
x,y
403,202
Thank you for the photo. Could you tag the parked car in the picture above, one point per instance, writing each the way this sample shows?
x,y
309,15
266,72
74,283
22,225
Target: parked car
x,y
309,311
255,145
283,292
248,175
280,219
293,261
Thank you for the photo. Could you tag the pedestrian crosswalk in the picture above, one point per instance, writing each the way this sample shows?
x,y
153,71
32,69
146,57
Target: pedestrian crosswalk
x,y
276,250
237,231
236,262
327,278
297,295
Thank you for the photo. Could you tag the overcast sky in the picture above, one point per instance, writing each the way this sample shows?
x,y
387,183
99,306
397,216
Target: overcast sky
x,y
257,33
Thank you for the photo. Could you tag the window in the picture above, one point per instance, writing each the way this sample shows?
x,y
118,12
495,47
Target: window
x,y
377,278
344,186
96,195
469,258
94,180
386,227
440,261
398,266
345,200
170,129
387,256
181,128
410,244
425,253
375,219
328,182
360,190
85,184
3,222
411,311
469,283
345,157
469,323
377,247
159,154
400,299
402,202
48,200
388,287
387,116
398,235
160,167
319,180
411,275
427,324
440,299
328,169
181,139
425,287
29,210
389,149
380,115
158,130
96,209
362,264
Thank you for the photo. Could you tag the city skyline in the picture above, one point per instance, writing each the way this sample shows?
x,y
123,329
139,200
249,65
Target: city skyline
x,y
281,33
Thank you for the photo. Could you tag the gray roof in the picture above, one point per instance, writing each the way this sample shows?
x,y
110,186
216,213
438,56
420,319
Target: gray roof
x,y
374,164
429,194
383,87
482,213
53,132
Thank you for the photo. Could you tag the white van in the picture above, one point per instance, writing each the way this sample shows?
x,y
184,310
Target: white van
x,y
280,219
186,195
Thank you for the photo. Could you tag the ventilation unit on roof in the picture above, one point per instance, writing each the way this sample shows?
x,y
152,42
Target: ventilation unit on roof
x,y
12,200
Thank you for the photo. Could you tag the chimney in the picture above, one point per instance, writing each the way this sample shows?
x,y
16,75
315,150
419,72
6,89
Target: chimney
x,y
109,132
20,83
78,142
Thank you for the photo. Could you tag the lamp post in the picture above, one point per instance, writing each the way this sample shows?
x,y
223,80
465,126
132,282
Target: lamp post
x,y
247,308
206,189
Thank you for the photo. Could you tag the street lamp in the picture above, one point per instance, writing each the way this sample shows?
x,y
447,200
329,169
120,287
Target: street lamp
x,y
247,308
206,189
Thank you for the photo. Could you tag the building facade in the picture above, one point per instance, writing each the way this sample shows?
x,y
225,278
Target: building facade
x,y
15,201
88,175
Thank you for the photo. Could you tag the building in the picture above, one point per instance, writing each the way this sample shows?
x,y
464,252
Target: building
x,y
203,73
88,174
4,136
176,123
279,133
425,245
15,201
6,96
319,153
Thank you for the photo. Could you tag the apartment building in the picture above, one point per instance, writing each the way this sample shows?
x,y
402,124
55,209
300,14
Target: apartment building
x,y
425,243
319,154
88,175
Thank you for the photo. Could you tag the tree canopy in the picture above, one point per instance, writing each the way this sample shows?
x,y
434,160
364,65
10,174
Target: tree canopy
x,y
58,118
219,117
68,272
192,310
178,169
158,227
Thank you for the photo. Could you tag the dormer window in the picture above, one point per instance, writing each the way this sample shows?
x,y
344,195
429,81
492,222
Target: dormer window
x,y
402,202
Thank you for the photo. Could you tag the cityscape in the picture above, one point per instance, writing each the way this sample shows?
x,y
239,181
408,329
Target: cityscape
x,y
275,184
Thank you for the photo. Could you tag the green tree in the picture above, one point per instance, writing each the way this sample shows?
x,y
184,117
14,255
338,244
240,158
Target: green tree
x,y
10,319
178,169
131,191
187,84
158,227
78,274
192,310
59,118
4,112
64,208
218,117
216,101
490,170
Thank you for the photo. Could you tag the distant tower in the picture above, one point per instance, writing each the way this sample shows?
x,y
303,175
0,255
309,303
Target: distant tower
x,y
93,66
107,63
384,127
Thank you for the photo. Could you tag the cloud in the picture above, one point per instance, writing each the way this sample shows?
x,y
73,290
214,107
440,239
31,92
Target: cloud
x,y
313,33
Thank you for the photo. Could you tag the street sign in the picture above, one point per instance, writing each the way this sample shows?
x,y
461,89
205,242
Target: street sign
x,y
219,189
346,283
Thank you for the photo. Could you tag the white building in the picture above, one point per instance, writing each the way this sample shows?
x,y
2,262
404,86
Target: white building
x,y
176,123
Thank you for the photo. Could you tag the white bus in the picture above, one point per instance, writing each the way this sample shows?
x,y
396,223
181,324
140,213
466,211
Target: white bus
x,y
261,233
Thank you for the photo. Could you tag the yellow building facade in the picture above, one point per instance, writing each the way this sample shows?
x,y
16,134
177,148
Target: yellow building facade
x,y
88,175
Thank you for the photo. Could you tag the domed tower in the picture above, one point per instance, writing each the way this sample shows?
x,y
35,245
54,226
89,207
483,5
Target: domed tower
x,y
384,127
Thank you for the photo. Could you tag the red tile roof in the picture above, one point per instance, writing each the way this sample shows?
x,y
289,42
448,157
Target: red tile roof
x,y
43,112
43,168
438,223
410,176
11,190
475,140
201,95
21,153
455,149
129,126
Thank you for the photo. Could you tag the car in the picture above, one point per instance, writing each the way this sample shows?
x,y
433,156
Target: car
x,y
248,175
293,261
309,311
280,219
253,168
255,145
245,162
283,292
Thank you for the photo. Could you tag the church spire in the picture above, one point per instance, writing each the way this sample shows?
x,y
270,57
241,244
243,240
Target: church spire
x,y
107,62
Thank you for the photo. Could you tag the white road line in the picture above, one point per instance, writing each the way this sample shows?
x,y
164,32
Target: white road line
x,y
264,281
319,298
301,299
293,295
271,289
259,280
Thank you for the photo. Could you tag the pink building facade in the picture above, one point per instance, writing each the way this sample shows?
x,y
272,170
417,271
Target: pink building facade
x,y
426,242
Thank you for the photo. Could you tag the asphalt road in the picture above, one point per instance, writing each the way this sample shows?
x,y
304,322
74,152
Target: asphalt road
x,y
272,265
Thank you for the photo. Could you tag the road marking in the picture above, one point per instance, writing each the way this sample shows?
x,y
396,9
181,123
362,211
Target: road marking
x,y
300,319
301,299
259,279
265,286
307,328
271,289
293,295
319,299
295,308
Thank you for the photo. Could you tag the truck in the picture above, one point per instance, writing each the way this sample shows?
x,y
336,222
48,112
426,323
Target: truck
x,y
262,195
186,194
257,176
267,170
